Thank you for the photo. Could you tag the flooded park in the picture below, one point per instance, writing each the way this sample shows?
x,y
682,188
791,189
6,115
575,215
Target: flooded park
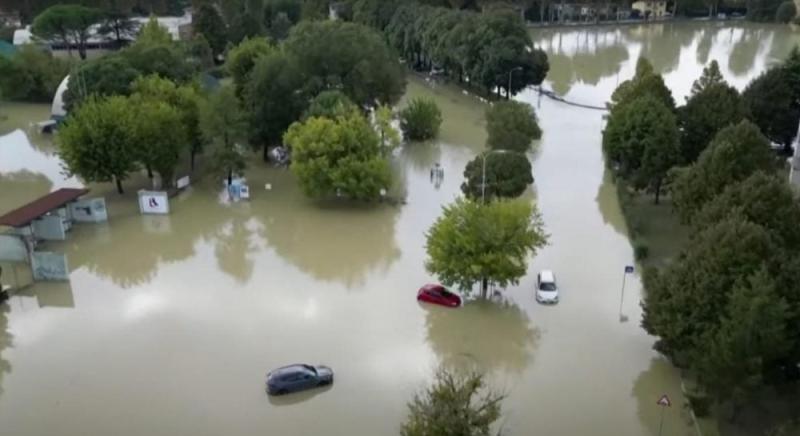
x,y
168,324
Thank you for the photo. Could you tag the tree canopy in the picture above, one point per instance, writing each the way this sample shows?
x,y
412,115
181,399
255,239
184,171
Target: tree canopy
x,y
338,157
420,120
104,76
209,23
455,404
713,106
472,243
242,59
97,143
223,125
771,104
330,104
645,81
508,175
735,153
349,57
511,125
641,142
31,74
67,24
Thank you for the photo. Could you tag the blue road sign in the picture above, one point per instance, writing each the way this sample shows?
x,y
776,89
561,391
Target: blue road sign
x,y
629,269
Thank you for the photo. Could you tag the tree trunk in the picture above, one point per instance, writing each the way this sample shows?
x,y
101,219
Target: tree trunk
x,y
192,155
230,177
484,287
149,172
658,190
266,153
119,185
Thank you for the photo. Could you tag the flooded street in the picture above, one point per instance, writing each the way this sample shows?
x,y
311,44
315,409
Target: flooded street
x,y
169,324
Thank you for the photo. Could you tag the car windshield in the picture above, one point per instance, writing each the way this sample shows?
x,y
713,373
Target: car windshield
x,y
310,368
547,286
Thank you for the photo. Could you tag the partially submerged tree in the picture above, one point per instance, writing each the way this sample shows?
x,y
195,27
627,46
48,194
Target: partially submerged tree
x,y
508,175
473,243
329,104
641,143
455,404
420,120
512,126
160,136
104,76
97,144
223,126
339,157
68,25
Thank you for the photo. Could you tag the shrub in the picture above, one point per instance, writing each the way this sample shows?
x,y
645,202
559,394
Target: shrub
x,y
640,250
786,12
700,404
421,119
31,75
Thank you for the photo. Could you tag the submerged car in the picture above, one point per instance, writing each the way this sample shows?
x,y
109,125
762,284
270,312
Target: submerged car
x,y
546,288
438,294
298,377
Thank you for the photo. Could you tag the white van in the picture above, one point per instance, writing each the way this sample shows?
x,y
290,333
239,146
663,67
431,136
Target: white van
x,y
546,288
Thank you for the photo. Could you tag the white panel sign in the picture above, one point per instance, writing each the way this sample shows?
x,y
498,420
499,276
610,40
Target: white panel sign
x,y
182,183
50,227
89,211
49,266
12,249
153,202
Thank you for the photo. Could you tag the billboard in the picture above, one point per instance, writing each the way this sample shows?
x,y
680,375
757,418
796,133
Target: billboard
x,y
153,202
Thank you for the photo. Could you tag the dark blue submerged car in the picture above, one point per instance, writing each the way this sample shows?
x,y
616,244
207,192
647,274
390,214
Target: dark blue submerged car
x,y
298,377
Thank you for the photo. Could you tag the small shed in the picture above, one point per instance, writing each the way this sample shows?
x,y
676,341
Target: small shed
x,y
47,217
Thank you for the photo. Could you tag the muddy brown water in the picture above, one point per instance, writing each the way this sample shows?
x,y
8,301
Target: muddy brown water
x,y
168,324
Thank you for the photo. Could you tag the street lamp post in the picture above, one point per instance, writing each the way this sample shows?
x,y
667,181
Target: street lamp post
x,y
483,173
510,74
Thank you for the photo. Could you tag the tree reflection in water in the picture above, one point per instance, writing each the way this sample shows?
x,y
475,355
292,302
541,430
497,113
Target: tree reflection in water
x,y
6,341
494,335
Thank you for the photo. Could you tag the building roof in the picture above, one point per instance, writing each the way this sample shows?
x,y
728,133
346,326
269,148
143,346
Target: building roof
x,y
29,212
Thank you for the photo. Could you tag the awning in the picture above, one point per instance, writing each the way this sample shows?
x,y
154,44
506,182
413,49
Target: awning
x,y
41,206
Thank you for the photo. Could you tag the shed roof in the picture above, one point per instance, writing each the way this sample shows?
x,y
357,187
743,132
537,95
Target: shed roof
x,y
36,208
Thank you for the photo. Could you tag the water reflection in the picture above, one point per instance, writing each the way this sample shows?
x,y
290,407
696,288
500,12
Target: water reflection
x,y
748,43
50,294
491,334
298,397
662,44
235,248
6,341
660,379
19,187
609,205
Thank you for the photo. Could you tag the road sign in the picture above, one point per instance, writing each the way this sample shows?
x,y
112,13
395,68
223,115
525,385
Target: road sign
x,y
629,269
664,401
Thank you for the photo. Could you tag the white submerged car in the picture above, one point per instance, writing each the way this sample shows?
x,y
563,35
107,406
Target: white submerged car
x,y
546,288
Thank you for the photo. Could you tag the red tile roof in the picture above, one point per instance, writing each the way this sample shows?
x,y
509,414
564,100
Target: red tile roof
x,y
25,214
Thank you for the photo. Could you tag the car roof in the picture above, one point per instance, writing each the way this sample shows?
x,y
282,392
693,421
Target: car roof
x,y
547,276
291,368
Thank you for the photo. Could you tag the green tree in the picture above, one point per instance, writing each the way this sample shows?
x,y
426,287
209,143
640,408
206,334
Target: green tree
x,y
274,98
67,24
160,135
771,104
118,26
735,153
349,57
97,143
339,157
713,107
245,25
420,120
455,404
786,12
752,336
329,104
711,76
280,27
208,22
185,99
473,243
641,143
152,33
292,9
103,76
645,81
390,138
511,125
764,199
31,74
223,125
242,59
508,175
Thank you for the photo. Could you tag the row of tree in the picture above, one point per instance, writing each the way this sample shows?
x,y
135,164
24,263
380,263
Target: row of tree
x,y
491,50
726,307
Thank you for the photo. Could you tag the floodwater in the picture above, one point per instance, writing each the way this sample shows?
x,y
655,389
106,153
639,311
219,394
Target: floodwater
x,y
168,324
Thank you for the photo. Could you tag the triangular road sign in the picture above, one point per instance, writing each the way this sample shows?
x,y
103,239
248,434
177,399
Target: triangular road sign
x,y
664,401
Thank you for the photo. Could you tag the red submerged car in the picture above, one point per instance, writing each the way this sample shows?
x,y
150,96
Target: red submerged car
x,y
438,294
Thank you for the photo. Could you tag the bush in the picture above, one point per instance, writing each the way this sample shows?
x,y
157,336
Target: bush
x,y
511,125
31,75
421,119
786,12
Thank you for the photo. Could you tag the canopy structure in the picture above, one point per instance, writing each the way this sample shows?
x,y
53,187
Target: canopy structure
x,y
24,215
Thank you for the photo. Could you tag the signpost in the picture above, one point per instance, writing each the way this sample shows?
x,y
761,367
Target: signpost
x,y
628,270
664,402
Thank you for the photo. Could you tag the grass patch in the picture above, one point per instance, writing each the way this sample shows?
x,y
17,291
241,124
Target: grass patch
x,y
656,232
